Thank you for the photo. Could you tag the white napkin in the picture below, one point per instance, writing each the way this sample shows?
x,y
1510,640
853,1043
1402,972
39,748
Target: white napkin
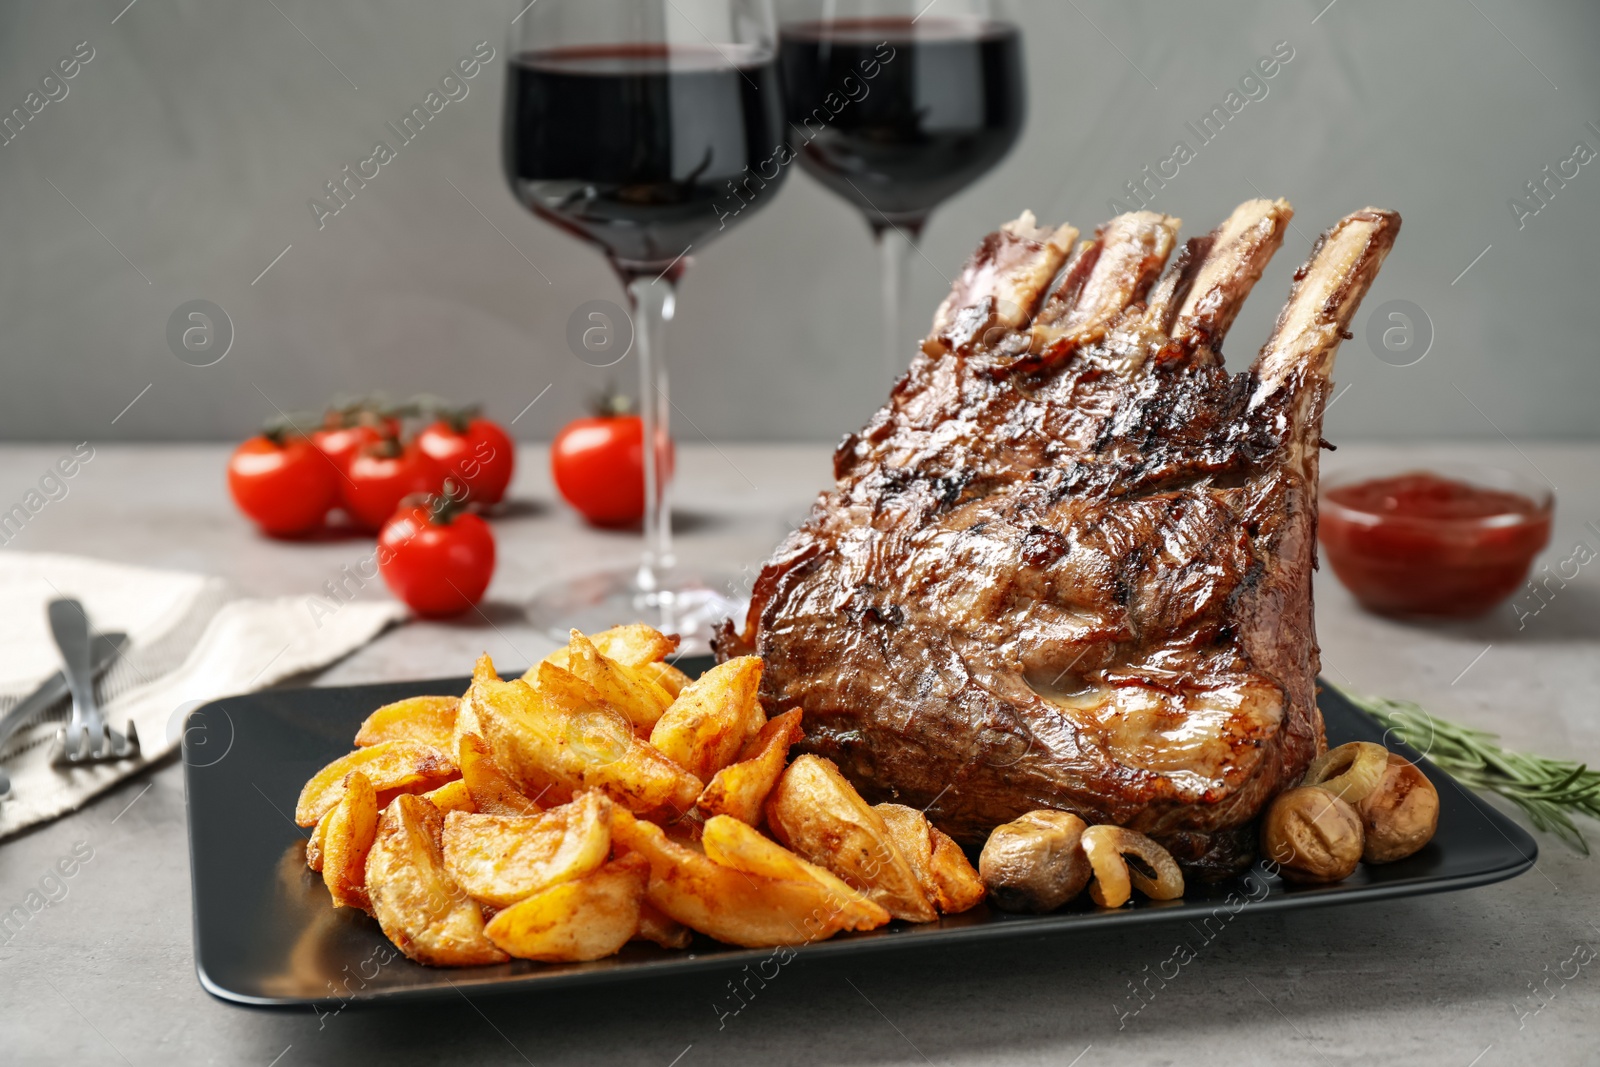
x,y
189,641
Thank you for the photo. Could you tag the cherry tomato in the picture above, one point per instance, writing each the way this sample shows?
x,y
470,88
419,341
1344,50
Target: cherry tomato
x,y
341,443
598,464
285,487
439,563
478,453
384,474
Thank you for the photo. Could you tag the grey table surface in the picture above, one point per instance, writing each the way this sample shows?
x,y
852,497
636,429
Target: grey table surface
x,y
1481,977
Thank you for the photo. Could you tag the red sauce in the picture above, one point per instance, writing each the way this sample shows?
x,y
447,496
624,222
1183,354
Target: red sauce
x,y
1426,545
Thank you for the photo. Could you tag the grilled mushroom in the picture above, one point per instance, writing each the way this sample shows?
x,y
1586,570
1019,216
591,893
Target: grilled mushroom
x,y
1312,835
1035,863
1401,813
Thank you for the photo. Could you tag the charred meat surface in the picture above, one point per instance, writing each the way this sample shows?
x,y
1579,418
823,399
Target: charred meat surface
x,y
1068,564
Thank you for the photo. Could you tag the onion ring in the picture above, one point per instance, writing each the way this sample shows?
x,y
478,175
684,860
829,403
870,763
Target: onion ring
x,y
1350,772
1156,874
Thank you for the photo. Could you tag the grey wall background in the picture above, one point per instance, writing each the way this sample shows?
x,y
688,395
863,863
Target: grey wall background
x,y
185,152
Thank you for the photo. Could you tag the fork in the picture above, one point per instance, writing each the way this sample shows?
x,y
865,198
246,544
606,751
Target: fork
x,y
86,738
106,648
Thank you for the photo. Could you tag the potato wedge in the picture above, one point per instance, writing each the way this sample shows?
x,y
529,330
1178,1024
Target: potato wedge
x,y
707,726
817,813
910,831
425,914
665,675
494,792
657,926
958,887
352,826
635,644
732,906
551,736
738,845
942,869
428,719
408,766
685,831
452,796
638,649
740,788
588,918
604,720
466,722
501,859
314,844
640,698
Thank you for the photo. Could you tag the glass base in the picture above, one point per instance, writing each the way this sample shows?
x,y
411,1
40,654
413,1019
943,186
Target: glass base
x,y
689,604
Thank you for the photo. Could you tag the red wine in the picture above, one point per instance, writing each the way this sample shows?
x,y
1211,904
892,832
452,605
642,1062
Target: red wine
x,y
897,116
644,150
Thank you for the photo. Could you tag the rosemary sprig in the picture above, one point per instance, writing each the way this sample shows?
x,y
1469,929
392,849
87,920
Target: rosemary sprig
x,y
1547,789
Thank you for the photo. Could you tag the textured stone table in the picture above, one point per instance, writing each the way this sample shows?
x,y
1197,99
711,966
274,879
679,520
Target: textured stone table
x,y
106,975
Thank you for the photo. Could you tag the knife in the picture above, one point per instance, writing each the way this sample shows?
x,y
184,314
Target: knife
x,y
102,653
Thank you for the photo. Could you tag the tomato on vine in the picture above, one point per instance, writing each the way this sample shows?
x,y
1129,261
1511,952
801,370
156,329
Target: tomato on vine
x,y
473,450
383,474
598,464
346,431
283,483
437,557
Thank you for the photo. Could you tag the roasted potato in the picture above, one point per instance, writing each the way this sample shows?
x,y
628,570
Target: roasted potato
x,y
943,870
709,723
638,649
734,906
958,887
735,844
598,730
740,788
817,813
494,792
435,822
501,859
587,918
428,719
404,766
466,722
421,909
352,826
640,698
657,926
549,737
666,676
314,843
452,796
635,645
1036,862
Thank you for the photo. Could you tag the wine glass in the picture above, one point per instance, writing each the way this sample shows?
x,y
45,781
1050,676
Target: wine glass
x,y
897,105
645,128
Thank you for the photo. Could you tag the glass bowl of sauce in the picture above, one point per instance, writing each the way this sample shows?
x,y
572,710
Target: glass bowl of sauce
x,y
1448,543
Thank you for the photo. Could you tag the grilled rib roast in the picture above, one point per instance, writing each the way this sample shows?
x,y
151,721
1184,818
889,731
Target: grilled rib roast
x,y
1068,564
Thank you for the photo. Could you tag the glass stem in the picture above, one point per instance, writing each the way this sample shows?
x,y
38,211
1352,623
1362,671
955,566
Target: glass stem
x,y
894,247
654,301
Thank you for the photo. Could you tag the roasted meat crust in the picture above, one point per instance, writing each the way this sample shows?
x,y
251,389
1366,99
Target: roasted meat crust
x,y
1068,565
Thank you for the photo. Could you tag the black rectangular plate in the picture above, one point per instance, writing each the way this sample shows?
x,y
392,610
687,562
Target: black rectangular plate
x,y
266,935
